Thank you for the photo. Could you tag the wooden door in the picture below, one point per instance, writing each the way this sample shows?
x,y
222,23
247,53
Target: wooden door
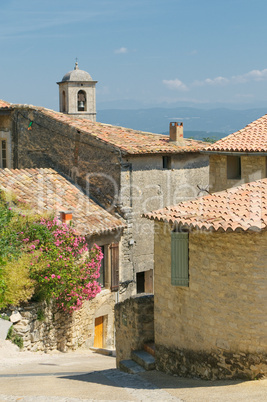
x,y
99,332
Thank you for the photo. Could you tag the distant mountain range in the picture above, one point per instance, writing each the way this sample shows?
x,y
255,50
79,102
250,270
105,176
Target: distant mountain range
x,y
198,123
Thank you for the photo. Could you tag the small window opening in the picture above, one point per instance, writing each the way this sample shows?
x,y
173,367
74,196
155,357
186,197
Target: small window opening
x,y
63,102
166,162
81,101
4,154
140,282
234,167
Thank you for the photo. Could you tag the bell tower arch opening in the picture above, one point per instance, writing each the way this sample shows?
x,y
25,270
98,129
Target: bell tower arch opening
x,y
76,101
81,99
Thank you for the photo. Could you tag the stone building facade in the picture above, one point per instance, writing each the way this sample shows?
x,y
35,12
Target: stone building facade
x,y
126,171
240,157
210,298
252,167
46,191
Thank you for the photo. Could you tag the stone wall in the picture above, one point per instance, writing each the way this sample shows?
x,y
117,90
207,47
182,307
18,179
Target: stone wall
x,y
253,168
134,322
146,186
53,144
216,327
44,327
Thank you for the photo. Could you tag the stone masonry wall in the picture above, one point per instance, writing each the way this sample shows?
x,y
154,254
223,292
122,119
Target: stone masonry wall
x,y
216,327
146,186
52,144
252,168
43,327
134,322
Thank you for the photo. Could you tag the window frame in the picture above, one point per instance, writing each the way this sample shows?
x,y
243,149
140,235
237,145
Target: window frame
x,y
233,167
166,162
180,259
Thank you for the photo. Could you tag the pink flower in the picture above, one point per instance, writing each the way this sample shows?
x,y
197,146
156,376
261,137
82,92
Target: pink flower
x,y
48,265
53,276
58,277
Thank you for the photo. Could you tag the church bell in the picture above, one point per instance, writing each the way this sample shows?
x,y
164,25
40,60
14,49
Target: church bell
x,y
81,105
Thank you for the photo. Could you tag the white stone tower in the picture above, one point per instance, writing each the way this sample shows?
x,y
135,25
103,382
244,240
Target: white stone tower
x,y
77,94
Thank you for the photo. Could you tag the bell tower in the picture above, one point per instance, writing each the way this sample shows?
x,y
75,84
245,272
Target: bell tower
x,y
77,94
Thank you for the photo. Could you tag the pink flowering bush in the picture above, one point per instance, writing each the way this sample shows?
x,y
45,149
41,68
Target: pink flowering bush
x,y
62,266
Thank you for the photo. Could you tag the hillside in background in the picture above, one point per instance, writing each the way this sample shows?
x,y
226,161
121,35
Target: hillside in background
x,y
198,123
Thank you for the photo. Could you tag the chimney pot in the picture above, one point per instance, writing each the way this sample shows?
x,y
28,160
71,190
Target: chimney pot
x,y
66,216
176,131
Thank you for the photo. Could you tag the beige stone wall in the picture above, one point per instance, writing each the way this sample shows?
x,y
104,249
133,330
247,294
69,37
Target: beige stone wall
x,y
223,312
71,90
253,168
134,321
63,331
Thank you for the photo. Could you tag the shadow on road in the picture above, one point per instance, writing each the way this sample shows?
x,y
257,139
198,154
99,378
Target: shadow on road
x,y
148,380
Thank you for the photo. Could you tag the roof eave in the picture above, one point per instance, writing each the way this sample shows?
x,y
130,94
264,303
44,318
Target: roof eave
x,y
236,153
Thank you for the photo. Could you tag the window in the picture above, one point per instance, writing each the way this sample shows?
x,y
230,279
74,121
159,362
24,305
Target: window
x,y
179,259
166,162
234,167
64,102
3,154
101,278
81,101
144,281
114,262
140,282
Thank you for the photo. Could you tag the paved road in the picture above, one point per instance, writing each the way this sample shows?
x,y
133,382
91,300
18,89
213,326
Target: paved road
x,y
87,376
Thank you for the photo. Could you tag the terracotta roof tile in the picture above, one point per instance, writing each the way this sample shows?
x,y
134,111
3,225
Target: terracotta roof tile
x,y
4,104
127,140
252,138
46,190
239,208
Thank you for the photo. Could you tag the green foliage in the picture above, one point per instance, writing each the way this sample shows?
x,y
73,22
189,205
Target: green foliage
x,y
41,258
14,338
209,139
4,317
40,315
10,333
19,286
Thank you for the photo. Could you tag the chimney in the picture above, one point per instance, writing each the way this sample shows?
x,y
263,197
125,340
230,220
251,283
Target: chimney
x,y
176,131
66,216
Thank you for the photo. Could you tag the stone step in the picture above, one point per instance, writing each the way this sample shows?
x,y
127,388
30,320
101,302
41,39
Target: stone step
x,y
102,351
131,367
150,348
144,359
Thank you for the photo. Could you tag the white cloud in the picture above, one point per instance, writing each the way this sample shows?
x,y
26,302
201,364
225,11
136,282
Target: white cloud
x,y
254,75
175,84
121,50
212,81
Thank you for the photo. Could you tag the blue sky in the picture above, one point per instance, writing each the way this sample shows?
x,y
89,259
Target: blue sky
x,y
142,52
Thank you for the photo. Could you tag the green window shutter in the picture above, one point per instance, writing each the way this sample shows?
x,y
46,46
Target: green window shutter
x,y
179,259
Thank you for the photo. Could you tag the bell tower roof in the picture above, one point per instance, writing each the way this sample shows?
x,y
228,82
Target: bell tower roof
x,y
77,75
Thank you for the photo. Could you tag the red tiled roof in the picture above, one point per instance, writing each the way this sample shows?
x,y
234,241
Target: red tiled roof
x,y
127,140
4,104
243,207
252,138
46,190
